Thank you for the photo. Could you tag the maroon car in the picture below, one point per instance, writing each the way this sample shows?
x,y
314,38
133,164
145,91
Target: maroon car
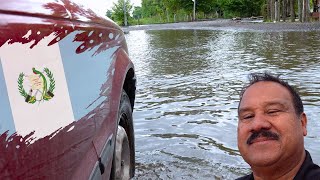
x,y
67,90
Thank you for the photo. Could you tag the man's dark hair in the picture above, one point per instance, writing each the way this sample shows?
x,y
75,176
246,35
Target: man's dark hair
x,y
266,76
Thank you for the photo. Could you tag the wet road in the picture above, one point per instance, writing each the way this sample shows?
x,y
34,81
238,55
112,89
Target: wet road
x,y
188,91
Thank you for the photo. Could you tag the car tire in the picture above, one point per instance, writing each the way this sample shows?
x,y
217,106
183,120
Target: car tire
x,y
123,157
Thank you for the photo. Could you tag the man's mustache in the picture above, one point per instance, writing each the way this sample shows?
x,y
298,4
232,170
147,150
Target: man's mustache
x,y
262,133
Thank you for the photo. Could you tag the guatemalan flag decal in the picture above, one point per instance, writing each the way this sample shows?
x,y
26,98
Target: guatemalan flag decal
x,y
35,89
41,86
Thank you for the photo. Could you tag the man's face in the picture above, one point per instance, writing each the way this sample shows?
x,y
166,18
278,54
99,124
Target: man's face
x,y
269,130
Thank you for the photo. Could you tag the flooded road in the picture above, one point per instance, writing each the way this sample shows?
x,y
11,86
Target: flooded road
x,y
188,92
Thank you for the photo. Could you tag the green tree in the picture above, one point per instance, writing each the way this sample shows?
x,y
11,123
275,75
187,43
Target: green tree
x,y
109,14
165,10
137,12
171,8
119,10
244,8
147,8
206,6
152,7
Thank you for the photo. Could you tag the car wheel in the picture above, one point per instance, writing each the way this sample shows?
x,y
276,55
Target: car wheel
x,y
122,155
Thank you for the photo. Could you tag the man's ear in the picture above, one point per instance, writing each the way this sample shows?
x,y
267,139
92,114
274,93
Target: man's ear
x,y
304,121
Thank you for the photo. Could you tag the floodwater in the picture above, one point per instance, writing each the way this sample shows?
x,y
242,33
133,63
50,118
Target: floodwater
x,y
188,92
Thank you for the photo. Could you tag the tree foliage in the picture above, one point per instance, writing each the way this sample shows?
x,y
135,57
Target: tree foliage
x,y
119,9
244,8
227,8
137,12
163,11
109,14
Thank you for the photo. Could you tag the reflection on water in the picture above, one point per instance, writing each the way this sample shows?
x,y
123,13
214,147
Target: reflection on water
x,y
188,89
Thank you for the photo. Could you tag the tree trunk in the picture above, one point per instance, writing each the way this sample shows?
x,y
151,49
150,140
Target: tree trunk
x,y
272,8
288,8
300,10
307,13
284,10
292,11
268,10
303,14
278,10
194,10
125,14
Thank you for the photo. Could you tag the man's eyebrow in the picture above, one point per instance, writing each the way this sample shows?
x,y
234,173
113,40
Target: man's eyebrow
x,y
276,103
241,110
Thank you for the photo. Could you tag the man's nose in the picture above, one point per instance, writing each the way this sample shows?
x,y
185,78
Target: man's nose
x,y
260,121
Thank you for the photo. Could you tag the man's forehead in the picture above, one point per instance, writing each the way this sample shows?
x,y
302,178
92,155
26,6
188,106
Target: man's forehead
x,y
266,92
265,87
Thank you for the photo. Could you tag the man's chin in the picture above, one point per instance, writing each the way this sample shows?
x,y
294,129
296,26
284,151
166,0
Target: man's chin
x,y
262,161
261,155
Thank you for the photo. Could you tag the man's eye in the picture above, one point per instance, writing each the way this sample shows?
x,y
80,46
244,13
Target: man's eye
x,y
273,111
248,116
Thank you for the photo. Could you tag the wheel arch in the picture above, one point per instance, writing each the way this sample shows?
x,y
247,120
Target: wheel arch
x,y
128,85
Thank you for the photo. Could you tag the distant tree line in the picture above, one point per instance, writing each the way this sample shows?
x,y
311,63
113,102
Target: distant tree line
x,y
163,11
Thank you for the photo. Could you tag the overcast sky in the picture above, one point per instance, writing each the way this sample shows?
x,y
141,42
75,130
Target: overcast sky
x,y
101,6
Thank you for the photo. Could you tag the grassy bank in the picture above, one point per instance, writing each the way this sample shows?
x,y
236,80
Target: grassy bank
x,y
181,17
